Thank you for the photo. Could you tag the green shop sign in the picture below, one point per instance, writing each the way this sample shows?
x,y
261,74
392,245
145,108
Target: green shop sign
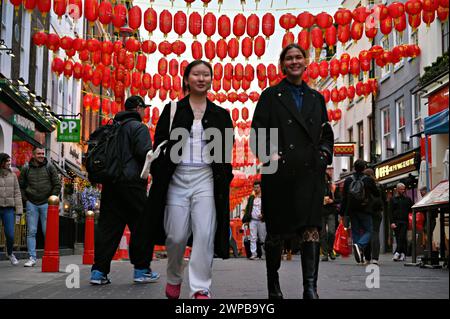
x,y
25,124
69,130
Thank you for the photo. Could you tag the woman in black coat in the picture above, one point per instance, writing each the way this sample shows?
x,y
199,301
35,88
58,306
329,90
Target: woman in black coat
x,y
292,195
190,195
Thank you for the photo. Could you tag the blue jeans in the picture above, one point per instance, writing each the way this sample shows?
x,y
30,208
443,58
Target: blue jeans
x,y
34,212
361,229
7,216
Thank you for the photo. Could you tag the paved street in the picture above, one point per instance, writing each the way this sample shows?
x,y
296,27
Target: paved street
x,y
233,279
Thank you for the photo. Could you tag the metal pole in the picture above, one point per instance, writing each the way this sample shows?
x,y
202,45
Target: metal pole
x,y
427,163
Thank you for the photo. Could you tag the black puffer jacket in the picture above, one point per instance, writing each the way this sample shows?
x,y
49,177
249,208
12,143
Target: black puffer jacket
x,y
135,142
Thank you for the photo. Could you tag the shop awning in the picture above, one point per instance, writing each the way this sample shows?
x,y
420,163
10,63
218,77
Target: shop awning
x,y
396,179
60,169
437,123
70,167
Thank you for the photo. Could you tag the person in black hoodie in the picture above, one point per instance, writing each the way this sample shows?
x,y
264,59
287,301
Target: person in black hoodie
x,y
399,208
123,201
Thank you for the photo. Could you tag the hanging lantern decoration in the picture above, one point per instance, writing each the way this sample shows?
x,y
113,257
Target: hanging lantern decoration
x,y
84,55
317,40
413,7
288,38
335,96
324,20
226,85
235,114
364,60
386,26
233,48
430,5
157,81
95,106
360,14
178,47
224,26
272,72
344,66
57,66
360,88
183,66
235,84
260,46
162,66
305,20
337,114
414,21
141,63
239,23
93,45
323,69
135,18
167,82
330,114
244,111
342,94
165,48
118,45
442,14
68,68
304,40
176,83
40,38
90,10
45,5
238,71
209,25
132,45
210,50
355,67
147,81
376,51
173,67
59,8
343,16
66,43
120,15
87,101
197,50
217,85
252,26
247,47
428,17
443,3
245,84
162,94
331,36
148,47
370,27
221,49
400,24
29,5
77,71
288,21
218,71
107,47
155,115
326,95
195,24
335,68
396,10
268,25
254,96
75,8
228,72
343,33
53,42
380,12
356,31
165,22
351,92
150,20
180,23
313,70
249,73
105,13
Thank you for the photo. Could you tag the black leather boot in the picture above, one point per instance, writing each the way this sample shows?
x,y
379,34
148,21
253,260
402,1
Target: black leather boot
x,y
310,268
273,263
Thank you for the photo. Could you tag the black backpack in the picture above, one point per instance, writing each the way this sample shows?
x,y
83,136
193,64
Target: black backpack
x,y
103,158
357,196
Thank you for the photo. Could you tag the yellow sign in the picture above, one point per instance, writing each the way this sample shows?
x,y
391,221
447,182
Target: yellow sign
x,y
396,167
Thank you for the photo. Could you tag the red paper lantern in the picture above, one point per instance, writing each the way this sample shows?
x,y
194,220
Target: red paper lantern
x,y
335,95
268,25
428,17
178,47
141,63
253,96
105,12
313,70
360,14
40,38
355,67
288,38
343,33
288,21
180,23
343,16
157,81
167,82
183,66
400,23
218,71
396,9
59,7
222,49
376,51
249,73
443,3
45,5
233,48
226,84
209,25
247,47
87,101
224,26
386,26
370,28
120,15
176,83
326,95
344,67
210,50
244,111
351,92
150,20
239,23
165,22
162,94
360,88
232,97
331,36
262,84
261,72
57,66
356,31
323,69
253,25
337,115
260,46
147,81
413,7
135,17
53,42
195,24
330,114
68,68
272,73
335,68
235,84
414,21
132,45
305,20
165,48
77,70
228,72
148,47
238,71
29,5
245,84
430,5
235,114
197,50
304,40
317,40
324,20
342,93
90,10
442,14
84,55
173,67
216,85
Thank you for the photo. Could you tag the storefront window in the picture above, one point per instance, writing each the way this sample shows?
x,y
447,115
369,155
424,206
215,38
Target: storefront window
x,y
386,129
402,141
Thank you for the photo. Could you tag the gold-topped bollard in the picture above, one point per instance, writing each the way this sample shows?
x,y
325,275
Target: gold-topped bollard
x,y
50,260
88,255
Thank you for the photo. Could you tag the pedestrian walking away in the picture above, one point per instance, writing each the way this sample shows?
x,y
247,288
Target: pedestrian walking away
x,y
190,192
292,195
10,203
123,200
329,212
38,181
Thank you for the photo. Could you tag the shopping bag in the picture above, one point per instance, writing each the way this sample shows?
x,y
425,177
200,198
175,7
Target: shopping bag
x,y
342,242
420,219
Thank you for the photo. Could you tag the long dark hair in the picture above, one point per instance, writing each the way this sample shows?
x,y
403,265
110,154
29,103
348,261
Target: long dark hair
x,y
188,69
3,158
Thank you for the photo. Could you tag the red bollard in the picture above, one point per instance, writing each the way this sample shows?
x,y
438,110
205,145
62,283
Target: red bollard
x,y
88,255
50,260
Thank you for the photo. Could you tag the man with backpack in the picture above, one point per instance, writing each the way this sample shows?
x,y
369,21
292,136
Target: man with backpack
x,y
38,181
357,191
115,158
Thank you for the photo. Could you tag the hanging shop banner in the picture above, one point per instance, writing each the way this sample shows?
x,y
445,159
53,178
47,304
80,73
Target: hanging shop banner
x,y
69,130
344,149
396,167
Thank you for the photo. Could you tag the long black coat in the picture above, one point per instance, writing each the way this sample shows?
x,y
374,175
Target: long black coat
x,y
163,168
292,197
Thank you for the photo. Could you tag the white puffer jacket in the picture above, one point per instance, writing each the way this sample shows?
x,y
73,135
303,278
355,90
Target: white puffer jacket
x,y
10,191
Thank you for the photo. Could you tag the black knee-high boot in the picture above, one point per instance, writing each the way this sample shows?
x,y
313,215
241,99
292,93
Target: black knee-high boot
x,y
310,268
273,262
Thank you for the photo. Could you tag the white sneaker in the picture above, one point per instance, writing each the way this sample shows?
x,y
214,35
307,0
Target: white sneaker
x,y
13,260
30,263
253,257
375,262
396,257
402,257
